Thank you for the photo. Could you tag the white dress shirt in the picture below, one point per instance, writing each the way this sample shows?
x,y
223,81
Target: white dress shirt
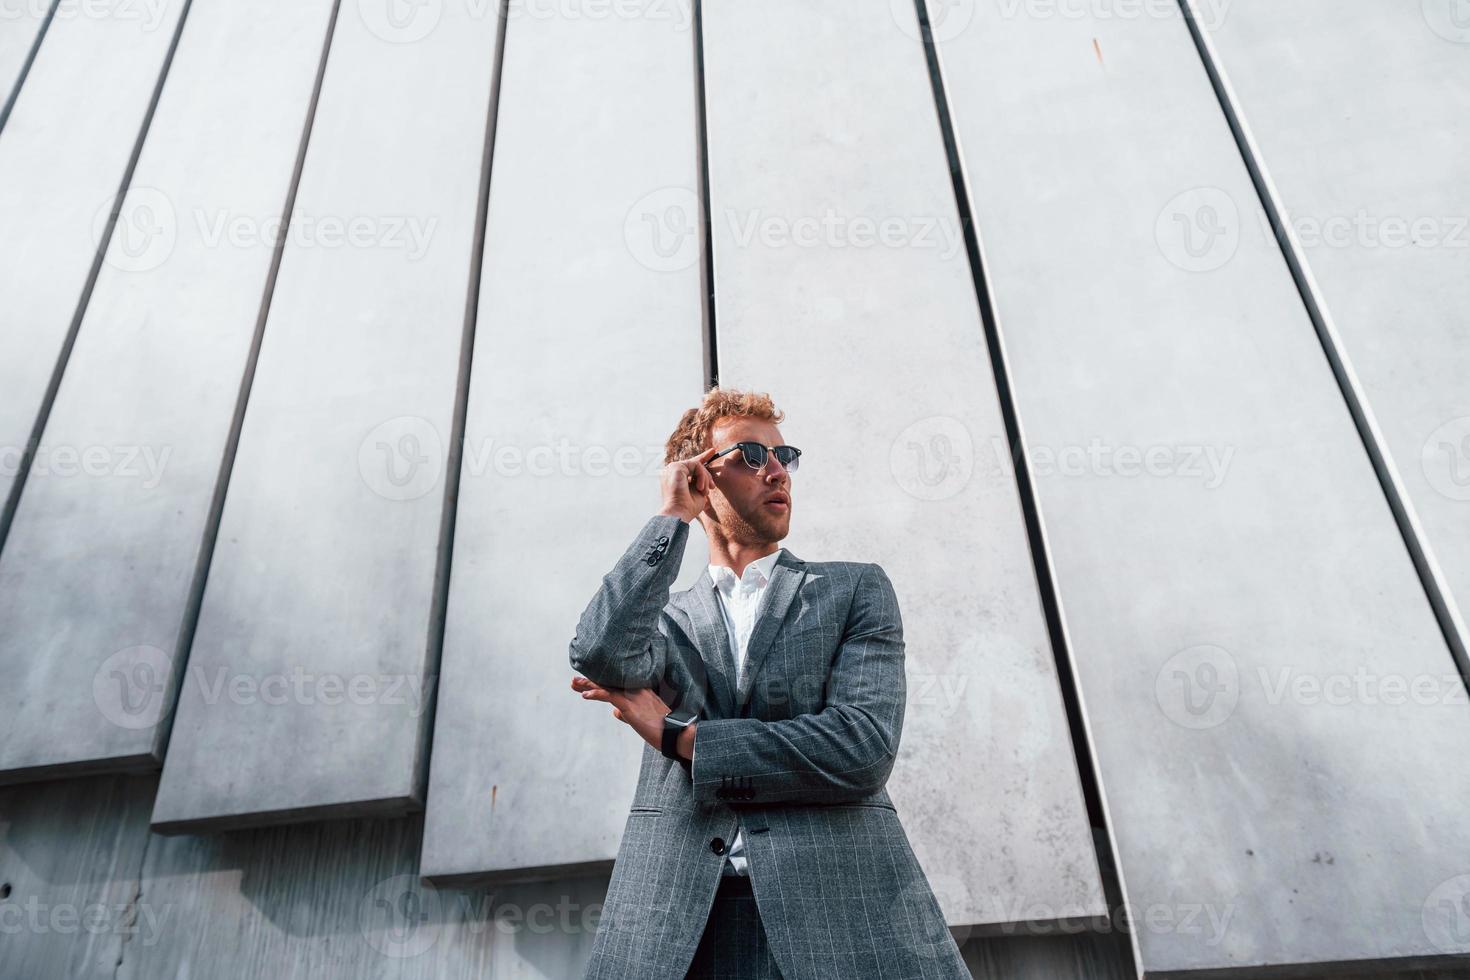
x,y
740,600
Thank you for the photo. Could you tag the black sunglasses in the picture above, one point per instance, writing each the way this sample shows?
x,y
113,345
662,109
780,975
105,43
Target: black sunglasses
x,y
755,455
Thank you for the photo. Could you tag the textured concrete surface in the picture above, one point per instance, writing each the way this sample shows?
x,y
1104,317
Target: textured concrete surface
x,y
65,152
129,462
90,894
1227,564
318,636
1359,122
574,391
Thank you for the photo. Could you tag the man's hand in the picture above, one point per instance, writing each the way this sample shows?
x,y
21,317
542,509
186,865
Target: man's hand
x,y
685,485
641,708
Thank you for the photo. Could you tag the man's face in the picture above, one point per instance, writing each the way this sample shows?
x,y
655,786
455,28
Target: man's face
x,y
742,496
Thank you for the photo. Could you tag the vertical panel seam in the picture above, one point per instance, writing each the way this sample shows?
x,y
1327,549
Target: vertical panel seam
x,y
48,398
438,616
1421,552
1040,553
25,66
205,557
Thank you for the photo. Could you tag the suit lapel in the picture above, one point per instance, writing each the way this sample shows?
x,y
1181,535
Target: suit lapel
x,y
786,576
714,642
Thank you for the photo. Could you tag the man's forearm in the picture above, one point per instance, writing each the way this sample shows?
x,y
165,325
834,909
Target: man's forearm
x,y
617,641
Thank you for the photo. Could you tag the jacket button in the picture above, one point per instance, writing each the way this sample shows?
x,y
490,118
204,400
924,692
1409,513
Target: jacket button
x,y
663,539
717,845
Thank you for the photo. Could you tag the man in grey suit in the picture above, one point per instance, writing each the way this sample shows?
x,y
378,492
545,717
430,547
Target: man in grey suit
x,y
761,842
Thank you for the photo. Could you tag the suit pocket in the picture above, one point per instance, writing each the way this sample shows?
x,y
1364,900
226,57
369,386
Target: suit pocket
x,y
645,809
876,806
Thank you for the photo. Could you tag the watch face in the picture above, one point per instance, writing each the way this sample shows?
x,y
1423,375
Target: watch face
x,y
681,717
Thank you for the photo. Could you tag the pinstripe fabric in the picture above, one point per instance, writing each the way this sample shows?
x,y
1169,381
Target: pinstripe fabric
x,y
801,748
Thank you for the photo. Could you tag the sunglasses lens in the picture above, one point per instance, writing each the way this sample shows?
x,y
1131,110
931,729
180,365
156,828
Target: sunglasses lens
x,y
789,457
754,453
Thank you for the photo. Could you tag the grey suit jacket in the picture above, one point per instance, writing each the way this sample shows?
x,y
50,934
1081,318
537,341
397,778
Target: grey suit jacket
x,y
801,752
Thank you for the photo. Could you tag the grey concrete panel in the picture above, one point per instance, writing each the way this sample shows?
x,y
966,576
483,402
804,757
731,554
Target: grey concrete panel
x,y
130,456
17,41
308,689
1359,121
844,289
1276,719
93,896
588,349
63,154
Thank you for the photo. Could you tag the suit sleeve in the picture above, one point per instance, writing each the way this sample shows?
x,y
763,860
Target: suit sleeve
x,y
620,639
844,752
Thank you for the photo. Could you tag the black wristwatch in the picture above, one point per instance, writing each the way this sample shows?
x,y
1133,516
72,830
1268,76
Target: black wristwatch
x,y
674,724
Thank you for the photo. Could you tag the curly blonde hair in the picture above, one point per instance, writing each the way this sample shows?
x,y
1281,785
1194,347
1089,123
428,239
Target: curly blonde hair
x,y
692,434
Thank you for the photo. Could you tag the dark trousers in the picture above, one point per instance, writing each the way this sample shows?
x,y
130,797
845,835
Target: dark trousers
x,y
734,945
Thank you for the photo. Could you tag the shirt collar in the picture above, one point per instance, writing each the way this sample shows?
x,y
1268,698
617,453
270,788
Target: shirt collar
x,y
757,572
